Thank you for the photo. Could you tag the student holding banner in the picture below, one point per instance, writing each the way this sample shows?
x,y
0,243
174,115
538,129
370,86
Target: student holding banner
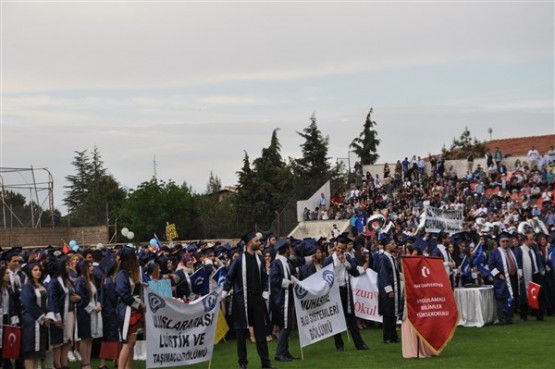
x,y
390,304
130,307
247,276
343,266
283,308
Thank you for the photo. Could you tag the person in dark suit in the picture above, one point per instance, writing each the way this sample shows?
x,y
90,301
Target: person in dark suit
x,y
247,276
281,284
390,303
503,265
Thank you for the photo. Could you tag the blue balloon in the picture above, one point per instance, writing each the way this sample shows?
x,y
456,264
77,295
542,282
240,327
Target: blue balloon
x,y
153,242
72,243
75,248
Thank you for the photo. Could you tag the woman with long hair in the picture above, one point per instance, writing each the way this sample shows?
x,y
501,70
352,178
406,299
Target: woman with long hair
x,y
71,267
6,305
110,346
61,300
35,318
89,320
130,308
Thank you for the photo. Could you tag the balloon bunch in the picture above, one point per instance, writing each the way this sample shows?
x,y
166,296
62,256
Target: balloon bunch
x,y
125,232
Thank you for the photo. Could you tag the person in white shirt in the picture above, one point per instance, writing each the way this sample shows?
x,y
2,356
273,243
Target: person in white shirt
x,y
533,156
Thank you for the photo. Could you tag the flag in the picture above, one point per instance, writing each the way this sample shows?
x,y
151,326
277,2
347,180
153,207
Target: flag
x,y
465,268
533,295
158,244
200,282
425,280
11,342
221,327
220,275
478,255
484,271
66,248
508,305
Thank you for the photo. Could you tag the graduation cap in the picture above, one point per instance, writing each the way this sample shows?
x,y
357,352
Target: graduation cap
x,y
420,244
127,250
208,249
192,247
385,240
233,251
358,246
309,246
6,256
176,248
282,243
267,237
342,238
248,236
503,235
441,235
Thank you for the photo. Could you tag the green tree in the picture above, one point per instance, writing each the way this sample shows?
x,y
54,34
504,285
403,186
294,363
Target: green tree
x,y
463,146
313,167
366,145
263,188
93,195
214,184
79,182
147,209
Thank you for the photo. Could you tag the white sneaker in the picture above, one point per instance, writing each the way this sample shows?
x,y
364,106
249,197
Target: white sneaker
x,y
77,355
71,357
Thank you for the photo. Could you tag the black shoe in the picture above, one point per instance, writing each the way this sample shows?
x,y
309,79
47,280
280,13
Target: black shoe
x,y
243,366
363,347
291,356
524,317
540,318
388,341
282,358
270,367
340,349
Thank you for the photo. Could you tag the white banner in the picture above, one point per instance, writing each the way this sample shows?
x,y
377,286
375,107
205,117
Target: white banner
x,y
438,220
365,295
179,333
318,307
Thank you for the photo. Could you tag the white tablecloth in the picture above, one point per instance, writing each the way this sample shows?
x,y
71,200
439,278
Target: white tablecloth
x,y
476,306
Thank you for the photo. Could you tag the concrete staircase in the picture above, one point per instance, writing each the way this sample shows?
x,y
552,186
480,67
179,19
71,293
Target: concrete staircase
x,y
318,228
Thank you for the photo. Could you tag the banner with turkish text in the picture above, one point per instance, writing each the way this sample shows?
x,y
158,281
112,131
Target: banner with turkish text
x,y
440,220
318,306
431,306
365,296
534,295
178,333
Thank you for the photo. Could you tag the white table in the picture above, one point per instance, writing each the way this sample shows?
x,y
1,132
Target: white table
x,y
476,306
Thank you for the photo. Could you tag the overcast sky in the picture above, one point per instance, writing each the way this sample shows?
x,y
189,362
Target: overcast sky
x,y
197,84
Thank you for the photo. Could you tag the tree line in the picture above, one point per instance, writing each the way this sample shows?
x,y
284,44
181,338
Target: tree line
x,y
94,196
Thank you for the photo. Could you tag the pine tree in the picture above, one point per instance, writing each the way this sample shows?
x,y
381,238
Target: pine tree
x,y
79,182
366,145
313,167
93,195
214,184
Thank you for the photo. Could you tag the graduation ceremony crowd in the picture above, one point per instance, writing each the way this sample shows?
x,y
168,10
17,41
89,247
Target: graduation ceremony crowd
x,y
73,301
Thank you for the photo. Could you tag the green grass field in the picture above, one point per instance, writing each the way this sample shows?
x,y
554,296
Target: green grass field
x,y
528,344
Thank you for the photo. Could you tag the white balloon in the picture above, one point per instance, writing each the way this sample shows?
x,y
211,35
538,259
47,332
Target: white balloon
x,y
130,235
124,231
